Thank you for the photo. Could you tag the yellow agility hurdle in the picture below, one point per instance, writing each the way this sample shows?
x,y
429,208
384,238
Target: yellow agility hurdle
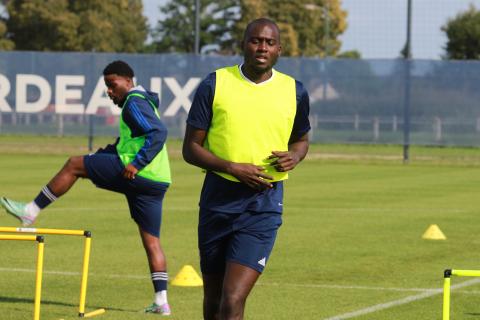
x,y
447,274
39,272
86,254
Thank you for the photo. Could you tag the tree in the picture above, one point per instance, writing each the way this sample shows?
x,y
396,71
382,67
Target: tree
x,y
111,25
42,25
176,32
5,44
69,25
351,54
314,25
463,33
308,27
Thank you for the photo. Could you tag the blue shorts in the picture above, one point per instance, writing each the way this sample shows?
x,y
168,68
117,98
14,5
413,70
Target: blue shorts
x,y
245,238
144,196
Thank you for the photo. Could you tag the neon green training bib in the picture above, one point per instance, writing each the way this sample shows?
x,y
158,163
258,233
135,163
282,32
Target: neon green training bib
x,y
251,120
127,148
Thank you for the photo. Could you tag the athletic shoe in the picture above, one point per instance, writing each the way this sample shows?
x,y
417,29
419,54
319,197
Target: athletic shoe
x,y
164,309
18,210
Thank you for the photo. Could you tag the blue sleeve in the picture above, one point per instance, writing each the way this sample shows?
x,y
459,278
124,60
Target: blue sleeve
x,y
301,123
200,114
139,116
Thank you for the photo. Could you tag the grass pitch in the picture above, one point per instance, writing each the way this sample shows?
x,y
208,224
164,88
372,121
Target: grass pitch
x,y
350,246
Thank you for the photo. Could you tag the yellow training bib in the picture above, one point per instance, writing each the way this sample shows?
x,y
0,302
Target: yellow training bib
x,y
251,120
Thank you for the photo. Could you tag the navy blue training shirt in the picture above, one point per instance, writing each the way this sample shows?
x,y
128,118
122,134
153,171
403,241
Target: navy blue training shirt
x,y
219,194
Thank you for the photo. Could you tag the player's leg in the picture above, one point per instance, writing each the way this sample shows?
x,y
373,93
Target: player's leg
x,y
237,284
158,270
146,210
73,169
154,251
214,234
247,255
58,185
212,295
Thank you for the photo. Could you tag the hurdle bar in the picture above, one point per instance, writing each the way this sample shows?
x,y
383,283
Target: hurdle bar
x,y
447,274
39,273
86,254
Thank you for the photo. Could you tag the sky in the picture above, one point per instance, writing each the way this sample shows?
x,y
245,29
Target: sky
x,y
378,28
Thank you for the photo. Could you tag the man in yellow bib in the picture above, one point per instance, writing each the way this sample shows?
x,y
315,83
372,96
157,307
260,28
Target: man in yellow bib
x,y
247,127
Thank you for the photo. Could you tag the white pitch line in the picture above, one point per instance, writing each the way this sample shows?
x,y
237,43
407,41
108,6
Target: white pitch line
x,y
336,286
67,273
426,293
260,283
399,302
324,286
116,208
336,209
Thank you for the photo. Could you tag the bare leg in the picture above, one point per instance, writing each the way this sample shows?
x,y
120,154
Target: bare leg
x,y
238,282
59,185
212,295
155,255
67,176
158,269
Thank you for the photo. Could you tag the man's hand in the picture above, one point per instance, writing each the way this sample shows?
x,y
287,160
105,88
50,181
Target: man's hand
x,y
129,172
284,160
251,175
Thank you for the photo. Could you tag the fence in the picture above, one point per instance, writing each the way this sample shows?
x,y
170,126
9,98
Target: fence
x,y
352,101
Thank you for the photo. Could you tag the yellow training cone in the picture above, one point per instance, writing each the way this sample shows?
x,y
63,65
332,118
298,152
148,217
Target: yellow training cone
x,y
187,277
434,233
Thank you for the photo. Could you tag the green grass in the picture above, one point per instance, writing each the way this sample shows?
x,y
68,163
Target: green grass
x,y
351,238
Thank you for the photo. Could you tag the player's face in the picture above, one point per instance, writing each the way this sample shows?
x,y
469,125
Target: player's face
x,y
261,47
117,87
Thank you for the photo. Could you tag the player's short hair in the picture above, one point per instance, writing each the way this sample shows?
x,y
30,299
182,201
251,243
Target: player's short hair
x,y
264,21
120,68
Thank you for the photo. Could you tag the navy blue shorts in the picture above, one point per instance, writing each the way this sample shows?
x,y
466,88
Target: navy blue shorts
x,y
144,196
245,238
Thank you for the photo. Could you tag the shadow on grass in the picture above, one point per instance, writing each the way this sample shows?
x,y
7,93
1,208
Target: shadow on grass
x,y
59,303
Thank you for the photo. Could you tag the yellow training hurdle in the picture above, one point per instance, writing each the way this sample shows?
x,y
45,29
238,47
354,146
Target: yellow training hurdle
x,y
446,286
66,232
39,272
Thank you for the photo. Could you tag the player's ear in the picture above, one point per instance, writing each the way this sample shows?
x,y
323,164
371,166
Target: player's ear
x,y
279,49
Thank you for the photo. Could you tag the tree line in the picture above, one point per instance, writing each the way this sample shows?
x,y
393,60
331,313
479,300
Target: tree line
x,y
309,28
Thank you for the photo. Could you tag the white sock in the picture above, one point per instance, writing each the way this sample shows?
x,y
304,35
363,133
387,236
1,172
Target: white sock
x,y
161,297
32,209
